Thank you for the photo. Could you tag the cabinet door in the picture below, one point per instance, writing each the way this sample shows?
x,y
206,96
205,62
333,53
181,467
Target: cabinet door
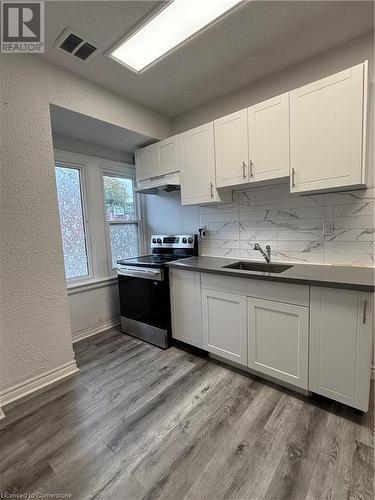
x,y
278,340
341,345
167,151
326,132
197,157
186,306
269,138
146,162
224,325
231,149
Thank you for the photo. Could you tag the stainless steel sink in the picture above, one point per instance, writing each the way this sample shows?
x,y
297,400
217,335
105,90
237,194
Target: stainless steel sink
x,y
258,266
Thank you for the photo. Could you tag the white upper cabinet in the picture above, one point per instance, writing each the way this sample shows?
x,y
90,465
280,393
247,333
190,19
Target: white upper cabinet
x,y
146,161
231,149
327,122
269,139
197,156
341,336
157,159
167,155
315,133
253,144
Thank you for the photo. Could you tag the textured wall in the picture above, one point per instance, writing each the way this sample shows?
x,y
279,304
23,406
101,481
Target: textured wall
x,y
35,321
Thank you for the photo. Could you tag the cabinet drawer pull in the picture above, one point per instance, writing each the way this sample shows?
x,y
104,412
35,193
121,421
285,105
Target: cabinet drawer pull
x,y
211,189
364,302
244,169
293,178
251,169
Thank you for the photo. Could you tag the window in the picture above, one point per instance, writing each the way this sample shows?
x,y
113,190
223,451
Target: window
x,y
69,193
121,216
99,214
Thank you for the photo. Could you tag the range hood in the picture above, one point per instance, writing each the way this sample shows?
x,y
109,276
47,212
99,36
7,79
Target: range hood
x,y
158,185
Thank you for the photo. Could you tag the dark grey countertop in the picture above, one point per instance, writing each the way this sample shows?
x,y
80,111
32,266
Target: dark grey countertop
x,y
353,278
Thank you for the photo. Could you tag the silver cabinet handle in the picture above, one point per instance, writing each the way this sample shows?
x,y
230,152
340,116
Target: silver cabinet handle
x,y
293,178
364,311
211,189
244,169
251,169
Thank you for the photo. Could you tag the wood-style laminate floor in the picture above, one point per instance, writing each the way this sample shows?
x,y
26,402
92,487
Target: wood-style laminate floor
x,y
140,423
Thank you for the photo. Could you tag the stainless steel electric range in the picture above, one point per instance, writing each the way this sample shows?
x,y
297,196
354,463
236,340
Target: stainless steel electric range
x,y
144,288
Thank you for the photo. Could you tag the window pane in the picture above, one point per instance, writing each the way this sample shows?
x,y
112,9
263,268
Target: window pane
x,y
71,218
124,241
119,198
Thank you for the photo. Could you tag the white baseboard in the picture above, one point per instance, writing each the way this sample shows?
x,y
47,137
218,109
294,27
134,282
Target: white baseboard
x,y
37,382
94,330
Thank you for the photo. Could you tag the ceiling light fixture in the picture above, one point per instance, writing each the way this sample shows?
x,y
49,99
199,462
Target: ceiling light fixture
x,y
177,23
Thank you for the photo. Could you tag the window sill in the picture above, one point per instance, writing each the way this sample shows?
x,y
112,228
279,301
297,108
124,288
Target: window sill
x,y
93,284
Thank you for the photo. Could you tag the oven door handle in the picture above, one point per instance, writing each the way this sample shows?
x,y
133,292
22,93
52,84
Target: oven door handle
x,y
141,273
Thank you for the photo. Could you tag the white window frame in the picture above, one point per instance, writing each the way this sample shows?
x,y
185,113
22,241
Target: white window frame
x,y
81,167
125,174
98,246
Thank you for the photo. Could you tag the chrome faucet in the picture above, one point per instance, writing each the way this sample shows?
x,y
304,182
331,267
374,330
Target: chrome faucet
x,y
267,255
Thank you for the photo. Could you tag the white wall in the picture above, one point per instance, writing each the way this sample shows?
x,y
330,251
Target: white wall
x,y
94,309
164,214
329,62
35,322
85,148
293,223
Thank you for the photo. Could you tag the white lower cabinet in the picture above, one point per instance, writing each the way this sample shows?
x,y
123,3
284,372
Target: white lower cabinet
x,y
185,288
341,334
224,325
322,342
278,340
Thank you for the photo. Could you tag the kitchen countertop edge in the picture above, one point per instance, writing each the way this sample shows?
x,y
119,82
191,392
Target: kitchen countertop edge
x,y
214,265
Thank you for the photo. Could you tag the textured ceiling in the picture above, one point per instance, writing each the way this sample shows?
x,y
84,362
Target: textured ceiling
x,y
258,39
67,123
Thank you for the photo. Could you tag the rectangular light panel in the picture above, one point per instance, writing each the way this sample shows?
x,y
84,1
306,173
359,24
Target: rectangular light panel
x,y
177,22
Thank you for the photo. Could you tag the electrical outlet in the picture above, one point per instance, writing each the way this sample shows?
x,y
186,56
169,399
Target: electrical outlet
x,y
202,232
328,228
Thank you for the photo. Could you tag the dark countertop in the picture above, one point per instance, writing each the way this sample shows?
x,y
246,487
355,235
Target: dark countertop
x,y
353,278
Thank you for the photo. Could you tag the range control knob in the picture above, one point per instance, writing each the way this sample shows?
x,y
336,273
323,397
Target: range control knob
x,y
159,241
190,240
153,240
184,240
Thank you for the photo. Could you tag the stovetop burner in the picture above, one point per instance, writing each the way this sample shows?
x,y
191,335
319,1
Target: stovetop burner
x,y
165,248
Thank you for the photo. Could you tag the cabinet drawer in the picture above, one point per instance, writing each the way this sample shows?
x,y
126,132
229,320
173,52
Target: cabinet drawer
x,y
269,290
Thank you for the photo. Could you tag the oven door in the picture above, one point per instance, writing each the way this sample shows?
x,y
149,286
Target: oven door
x,y
145,302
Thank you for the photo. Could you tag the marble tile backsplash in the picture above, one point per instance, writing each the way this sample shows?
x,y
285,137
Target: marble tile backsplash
x,y
293,226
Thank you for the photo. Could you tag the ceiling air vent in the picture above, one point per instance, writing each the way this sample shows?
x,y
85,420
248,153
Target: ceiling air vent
x,y
76,45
